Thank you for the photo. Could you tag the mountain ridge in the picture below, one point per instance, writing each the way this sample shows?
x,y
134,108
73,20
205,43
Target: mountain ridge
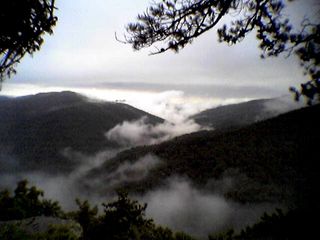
x,y
35,129
244,113
270,161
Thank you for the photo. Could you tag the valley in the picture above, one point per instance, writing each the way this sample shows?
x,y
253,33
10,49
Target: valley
x,y
236,161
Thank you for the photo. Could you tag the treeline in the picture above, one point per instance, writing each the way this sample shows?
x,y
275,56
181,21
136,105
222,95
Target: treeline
x,y
125,219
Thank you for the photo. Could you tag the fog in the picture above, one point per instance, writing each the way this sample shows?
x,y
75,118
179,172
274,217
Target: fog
x,y
135,171
283,104
183,207
105,182
178,204
61,187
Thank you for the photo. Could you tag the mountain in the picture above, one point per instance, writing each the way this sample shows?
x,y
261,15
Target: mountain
x,y
275,160
36,129
242,114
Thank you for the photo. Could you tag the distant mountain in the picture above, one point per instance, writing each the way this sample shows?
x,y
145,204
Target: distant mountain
x,y
275,160
35,129
241,114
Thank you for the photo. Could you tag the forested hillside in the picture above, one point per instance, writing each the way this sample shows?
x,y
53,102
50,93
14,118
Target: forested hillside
x,y
245,113
221,178
271,161
36,129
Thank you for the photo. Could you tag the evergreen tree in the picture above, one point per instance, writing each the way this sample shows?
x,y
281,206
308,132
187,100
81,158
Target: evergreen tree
x,y
22,26
172,24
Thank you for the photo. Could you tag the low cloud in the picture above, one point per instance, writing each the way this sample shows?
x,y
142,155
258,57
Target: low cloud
x,y
61,187
141,132
178,204
87,162
282,104
173,105
183,207
126,172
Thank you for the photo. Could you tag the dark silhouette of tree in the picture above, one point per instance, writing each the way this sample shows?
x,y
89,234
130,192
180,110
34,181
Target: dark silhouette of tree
x,y
26,202
124,218
175,23
22,26
87,217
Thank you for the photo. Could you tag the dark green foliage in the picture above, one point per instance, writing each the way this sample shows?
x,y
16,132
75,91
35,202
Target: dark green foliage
x,y
295,224
26,202
183,236
87,217
56,233
176,23
13,232
125,219
122,219
226,235
160,233
22,25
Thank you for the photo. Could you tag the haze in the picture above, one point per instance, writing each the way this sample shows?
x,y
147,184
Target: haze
x,y
84,56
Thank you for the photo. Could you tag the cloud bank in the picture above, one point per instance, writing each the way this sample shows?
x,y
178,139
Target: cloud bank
x,y
141,132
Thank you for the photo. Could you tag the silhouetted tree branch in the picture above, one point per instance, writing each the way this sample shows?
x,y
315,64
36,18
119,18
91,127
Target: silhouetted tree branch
x,y
175,23
22,25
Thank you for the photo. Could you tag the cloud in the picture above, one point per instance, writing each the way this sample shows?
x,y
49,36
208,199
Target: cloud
x,y
61,187
129,172
282,105
140,132
173,105
87,162
183,207
178,204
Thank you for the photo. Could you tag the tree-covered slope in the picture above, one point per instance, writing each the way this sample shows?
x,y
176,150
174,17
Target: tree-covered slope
x,y
245,113
35,129
275,161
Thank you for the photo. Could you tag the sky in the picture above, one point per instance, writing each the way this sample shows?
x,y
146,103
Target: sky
x,y
83,55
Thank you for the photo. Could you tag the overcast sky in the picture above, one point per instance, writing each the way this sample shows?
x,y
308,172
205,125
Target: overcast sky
x,y
84,56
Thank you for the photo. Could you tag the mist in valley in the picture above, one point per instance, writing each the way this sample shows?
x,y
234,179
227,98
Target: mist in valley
x,y
178,204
